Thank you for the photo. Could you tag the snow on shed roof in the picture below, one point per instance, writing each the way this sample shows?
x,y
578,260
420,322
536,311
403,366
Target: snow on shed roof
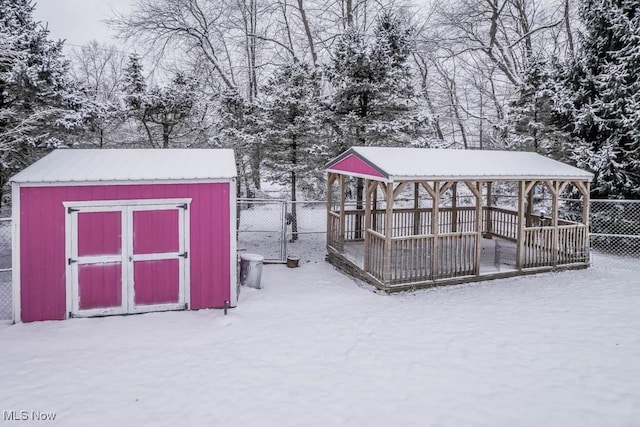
x,y
397,163
91,165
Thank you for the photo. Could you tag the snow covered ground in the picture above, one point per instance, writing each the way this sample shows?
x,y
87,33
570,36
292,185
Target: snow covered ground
x,y
312,348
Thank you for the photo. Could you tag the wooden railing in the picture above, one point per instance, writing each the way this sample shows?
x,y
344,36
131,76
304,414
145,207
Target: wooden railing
x,y
411,259
457,255
540,247
412,254
500,222
573,246
333,231
537,247
374,255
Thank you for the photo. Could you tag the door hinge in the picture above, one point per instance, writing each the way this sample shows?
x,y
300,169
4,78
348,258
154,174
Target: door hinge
x,y
184,255
184,206
69,210
71,261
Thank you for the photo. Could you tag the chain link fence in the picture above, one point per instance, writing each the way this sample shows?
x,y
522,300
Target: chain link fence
x,y
615,227
5,269
277,228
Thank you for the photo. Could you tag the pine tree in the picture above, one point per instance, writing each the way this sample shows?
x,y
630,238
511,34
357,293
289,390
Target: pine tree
x,y
373,101
167,106
533,121
373,92
38,102
290,122
601,99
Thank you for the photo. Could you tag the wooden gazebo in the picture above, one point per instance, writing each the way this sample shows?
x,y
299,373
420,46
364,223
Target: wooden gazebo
x,y
429,238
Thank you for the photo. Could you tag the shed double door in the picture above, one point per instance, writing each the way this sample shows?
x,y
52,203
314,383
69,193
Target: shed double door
x,y
127,259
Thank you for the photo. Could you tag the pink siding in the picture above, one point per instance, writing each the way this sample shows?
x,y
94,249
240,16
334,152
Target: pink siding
x,y
99,233
352,163
155,232
42,241
100,285
156,282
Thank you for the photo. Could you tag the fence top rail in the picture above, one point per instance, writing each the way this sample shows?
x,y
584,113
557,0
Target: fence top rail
x,y
333,213
250,200
636,201
570,226
375,233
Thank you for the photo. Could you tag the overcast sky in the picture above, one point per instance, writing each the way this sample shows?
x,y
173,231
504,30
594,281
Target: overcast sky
x,y
79,21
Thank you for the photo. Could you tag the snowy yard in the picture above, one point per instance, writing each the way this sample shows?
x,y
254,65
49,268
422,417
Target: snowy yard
x,y
314,349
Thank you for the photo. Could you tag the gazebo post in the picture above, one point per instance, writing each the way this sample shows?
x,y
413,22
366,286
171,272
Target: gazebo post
x,y
342,215
476,189
330,179
555,185
416,209
388,234
489,223
520,233
454,207
478,225
435,228
368,185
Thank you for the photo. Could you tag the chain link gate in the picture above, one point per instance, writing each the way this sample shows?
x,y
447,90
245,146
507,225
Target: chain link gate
x,y
261,225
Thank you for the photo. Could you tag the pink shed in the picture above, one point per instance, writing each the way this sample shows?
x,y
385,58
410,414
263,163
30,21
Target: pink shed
x,y
101,232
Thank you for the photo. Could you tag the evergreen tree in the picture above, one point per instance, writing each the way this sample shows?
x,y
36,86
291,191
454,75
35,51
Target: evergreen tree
x,y
290,123
168,106
533,121
372,85
601,100
37,99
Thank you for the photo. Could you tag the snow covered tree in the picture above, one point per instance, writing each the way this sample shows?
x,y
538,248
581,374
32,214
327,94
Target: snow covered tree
x,y
601,99
373,90
167,106
533,122
373,101
290,122
99,70
37,100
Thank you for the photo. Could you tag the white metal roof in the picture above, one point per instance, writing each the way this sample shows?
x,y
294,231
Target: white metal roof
x,y
91,165
397,163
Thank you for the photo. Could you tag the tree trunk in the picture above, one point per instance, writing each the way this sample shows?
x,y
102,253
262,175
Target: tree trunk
x,y
307,30
165,135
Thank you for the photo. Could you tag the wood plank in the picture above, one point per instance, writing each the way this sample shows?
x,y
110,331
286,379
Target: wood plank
x,y
435,229
471,186
416,209
478,227
489,224
388,232
554,222
454,207
429,189
330,180
520,226
367,224
399,188
342,216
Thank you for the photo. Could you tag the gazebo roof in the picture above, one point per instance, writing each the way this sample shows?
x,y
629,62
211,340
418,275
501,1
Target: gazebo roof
x,y
398,164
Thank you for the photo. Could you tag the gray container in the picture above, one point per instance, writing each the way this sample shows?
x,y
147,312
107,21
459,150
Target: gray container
x,y
251,270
